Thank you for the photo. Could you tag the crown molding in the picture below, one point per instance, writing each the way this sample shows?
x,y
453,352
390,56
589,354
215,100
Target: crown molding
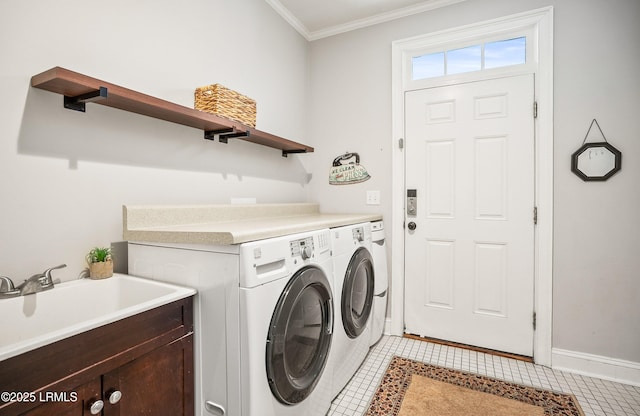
x,y
290,18
359,23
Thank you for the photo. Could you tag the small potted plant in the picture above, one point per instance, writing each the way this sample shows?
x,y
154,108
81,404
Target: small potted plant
x,y
100,263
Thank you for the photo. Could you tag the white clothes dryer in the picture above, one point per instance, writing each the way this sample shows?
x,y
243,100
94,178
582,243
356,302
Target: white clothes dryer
x,y
354,289
263,323
379,253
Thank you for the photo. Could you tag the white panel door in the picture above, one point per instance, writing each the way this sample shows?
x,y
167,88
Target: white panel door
x,y
469,266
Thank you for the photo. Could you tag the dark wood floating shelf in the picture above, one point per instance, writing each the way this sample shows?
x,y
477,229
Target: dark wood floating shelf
x,y
79,89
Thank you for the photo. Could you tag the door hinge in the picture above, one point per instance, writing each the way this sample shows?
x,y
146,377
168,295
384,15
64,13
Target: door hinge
x,y
400,143
535,109
534,321
535,215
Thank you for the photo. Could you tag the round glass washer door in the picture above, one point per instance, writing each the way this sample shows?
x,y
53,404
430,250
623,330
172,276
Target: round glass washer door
x,y
357,292
300,336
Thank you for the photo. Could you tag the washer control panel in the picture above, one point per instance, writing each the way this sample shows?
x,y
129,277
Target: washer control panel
x,y
358,234
303,247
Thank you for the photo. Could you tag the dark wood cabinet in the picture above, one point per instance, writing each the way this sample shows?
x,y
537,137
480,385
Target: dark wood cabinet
x,y
139,365
154,384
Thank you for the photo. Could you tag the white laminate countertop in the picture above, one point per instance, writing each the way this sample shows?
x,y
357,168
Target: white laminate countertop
x,y
228,224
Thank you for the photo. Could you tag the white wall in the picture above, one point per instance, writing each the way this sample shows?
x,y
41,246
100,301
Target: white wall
x,y
597,229
64,175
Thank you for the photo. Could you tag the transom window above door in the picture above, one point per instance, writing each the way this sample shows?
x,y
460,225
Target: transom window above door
x,y
488,55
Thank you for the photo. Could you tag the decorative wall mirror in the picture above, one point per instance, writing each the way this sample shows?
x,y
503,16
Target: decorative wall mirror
x,y
596,161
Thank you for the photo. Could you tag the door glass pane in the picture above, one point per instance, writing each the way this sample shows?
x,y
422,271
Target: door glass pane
x,y
505,52
427,66
464,60
359,293
299,339
303,332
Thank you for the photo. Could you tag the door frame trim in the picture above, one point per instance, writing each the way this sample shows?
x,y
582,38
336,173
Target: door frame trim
x,y
541,22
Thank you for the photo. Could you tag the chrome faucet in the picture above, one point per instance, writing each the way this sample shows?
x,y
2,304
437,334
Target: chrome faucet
x,y
36,283
7,289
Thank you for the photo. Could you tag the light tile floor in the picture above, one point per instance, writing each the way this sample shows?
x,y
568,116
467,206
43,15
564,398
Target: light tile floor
x,y
596,397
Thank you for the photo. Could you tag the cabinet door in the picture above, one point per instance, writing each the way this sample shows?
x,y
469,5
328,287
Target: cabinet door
x,y
158,383
75,402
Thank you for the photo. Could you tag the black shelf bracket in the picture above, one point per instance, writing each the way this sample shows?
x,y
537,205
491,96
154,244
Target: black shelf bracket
x,y
78,102
211,134
224,137
285,153
225,134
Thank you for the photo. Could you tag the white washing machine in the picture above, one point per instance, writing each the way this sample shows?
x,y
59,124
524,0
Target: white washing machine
x,y
264,321
381,285
354,288
286,321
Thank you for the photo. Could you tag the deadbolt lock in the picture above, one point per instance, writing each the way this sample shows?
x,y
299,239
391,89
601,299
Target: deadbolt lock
x,y
412,202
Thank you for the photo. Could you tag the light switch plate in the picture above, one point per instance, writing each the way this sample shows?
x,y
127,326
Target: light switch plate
x,y
373,197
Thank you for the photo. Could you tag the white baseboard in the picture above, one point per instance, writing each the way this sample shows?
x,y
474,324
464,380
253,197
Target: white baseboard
x,y
591,365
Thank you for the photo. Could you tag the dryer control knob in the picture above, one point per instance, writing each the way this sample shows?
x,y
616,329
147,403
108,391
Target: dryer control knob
x,y
306,253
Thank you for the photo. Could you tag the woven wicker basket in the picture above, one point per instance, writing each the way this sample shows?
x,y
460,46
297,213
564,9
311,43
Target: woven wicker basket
x,y
222,101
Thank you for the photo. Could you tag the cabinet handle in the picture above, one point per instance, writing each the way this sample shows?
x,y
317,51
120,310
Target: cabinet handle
x,y
114,396
96,407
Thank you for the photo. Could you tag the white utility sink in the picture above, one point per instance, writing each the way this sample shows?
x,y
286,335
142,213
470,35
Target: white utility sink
x,y
31,321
